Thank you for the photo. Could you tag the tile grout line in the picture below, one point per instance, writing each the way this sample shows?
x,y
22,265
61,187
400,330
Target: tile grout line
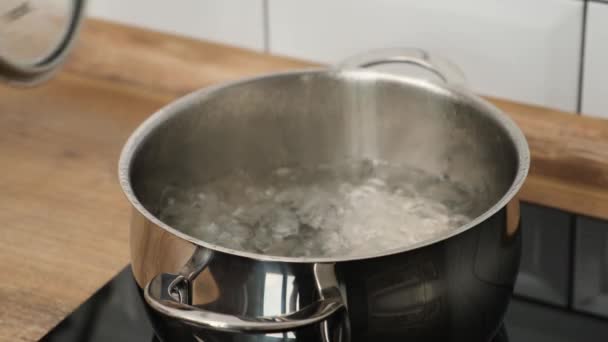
x,y
266,26
581,62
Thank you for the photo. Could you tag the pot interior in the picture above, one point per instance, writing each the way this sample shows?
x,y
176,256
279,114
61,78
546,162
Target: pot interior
x,y
320,117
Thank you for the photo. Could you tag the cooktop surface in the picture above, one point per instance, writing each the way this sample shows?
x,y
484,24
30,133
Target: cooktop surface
x,y
115,313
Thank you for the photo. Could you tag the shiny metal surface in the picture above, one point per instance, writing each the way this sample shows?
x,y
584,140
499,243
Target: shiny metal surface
x,y
443,68
158,295
455,287
35,36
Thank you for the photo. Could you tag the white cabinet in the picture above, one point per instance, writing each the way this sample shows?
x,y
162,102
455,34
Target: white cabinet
x,y
595,81
523,50
235,22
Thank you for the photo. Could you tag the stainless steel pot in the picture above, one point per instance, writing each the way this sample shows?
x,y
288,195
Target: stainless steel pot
x,y
455,287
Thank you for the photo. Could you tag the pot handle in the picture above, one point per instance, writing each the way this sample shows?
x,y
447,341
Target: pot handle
x,y
168,295
443,68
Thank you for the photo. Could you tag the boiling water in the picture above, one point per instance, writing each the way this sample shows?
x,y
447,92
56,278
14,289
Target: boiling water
x,y
347,209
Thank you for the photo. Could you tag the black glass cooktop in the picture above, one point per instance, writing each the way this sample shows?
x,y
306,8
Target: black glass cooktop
x,y
115,313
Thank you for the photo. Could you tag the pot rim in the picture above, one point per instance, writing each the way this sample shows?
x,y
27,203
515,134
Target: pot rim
x,y
135,141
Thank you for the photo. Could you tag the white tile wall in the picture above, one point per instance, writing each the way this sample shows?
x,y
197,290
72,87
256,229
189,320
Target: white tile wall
x,y
518,49
235,22
595,81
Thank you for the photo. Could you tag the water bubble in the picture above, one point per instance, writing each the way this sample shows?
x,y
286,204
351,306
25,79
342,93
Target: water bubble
x,y
329,210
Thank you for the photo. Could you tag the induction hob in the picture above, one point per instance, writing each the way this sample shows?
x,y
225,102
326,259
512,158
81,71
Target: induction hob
x,y
116,313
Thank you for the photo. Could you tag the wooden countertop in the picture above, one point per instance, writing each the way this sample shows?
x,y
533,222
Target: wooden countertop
x,y
64,219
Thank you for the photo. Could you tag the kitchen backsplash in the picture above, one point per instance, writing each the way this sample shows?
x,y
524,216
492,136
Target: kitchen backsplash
x,y
545,52
595,63
235,22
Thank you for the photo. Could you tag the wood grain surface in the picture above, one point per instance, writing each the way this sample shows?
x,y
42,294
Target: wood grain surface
x,y
64,220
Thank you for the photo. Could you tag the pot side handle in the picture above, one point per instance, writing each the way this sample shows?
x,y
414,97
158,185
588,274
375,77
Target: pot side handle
x,y
168,300
443,68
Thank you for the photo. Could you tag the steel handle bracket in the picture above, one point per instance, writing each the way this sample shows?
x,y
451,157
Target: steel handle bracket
x,y
169,295
442,68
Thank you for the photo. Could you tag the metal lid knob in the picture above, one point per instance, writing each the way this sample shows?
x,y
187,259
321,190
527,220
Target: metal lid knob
x,y
35,36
